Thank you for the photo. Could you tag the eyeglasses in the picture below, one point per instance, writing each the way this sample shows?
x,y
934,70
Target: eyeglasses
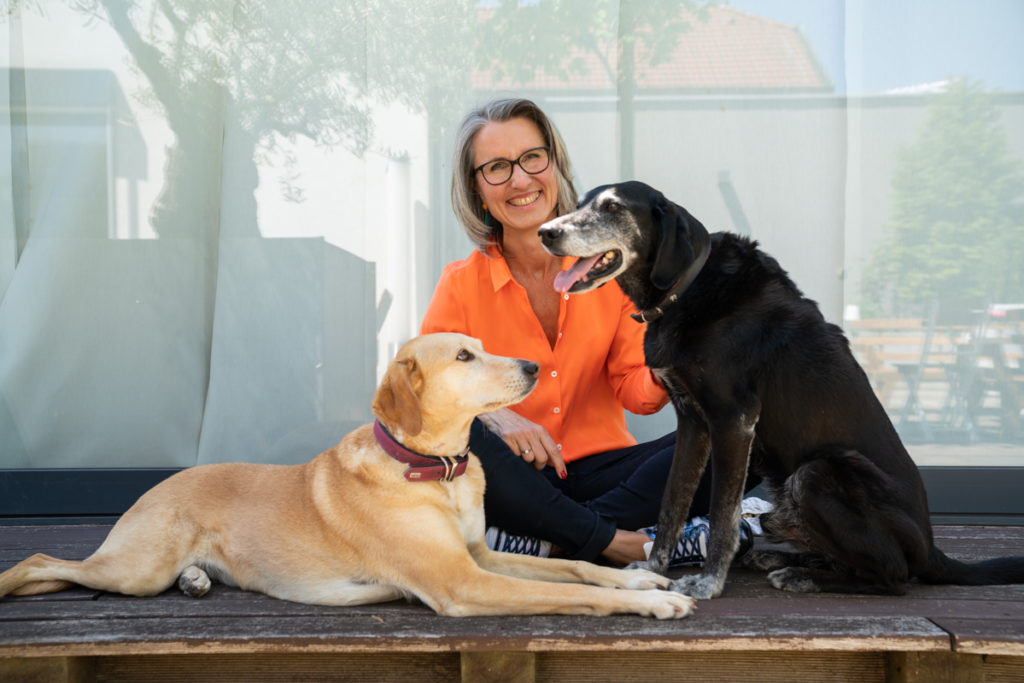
x,y
498,171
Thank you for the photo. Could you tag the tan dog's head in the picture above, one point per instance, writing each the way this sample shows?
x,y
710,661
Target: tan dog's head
x,y
445,378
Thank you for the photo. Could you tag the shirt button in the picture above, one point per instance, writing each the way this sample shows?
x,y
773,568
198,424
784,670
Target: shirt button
x,y
554,373
557,410
566,297
559,446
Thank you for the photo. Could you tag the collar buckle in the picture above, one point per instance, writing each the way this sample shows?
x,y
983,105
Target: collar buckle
x,y
421,467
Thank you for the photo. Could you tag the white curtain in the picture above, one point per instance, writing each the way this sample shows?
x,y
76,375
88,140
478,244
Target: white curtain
x,y
219,218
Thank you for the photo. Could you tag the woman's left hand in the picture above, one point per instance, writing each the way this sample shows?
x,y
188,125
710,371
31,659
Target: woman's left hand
x,y
526,438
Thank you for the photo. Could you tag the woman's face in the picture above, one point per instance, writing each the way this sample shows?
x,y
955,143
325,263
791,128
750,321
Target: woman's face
x,y
524,201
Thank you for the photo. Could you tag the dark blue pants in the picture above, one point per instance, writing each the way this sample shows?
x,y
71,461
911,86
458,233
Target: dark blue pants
x,y
619,489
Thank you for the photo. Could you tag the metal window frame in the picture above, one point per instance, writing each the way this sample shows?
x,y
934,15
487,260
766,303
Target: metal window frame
x,y
956,495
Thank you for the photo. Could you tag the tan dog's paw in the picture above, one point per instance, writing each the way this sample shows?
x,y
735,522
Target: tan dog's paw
x,y
641,579
194,582
669,605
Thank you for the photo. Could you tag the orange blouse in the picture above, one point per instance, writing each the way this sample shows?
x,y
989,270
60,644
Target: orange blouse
x,y
594,371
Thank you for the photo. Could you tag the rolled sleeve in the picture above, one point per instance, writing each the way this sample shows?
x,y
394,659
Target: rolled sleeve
x,y
635,386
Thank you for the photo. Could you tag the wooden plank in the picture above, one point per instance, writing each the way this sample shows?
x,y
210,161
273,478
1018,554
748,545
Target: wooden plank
x,y
751,616
226,605
973,550
970,543
934,667
73,594
499,667
42,670
426,632
283,667
561,667
980,533
747,595
757,666
854,606
985,636
28,536
1002,669
747,585
68,542
222,601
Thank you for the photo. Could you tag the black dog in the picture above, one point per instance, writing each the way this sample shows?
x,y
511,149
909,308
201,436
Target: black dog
x,y
759,379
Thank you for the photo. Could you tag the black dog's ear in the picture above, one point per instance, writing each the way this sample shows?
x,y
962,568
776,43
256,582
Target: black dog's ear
x,y
682,238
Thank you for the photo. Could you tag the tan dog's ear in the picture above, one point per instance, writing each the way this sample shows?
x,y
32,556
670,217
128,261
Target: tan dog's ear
x,y
395,402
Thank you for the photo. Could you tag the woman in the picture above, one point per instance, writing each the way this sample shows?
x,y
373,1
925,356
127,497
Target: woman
x,y
560,466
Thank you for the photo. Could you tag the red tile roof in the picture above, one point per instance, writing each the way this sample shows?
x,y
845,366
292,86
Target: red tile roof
x,y
726,50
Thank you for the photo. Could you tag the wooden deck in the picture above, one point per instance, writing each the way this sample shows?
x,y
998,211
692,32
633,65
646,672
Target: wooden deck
x,y
752,633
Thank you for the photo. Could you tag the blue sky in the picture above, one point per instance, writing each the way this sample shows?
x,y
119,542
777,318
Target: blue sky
x,y
870,46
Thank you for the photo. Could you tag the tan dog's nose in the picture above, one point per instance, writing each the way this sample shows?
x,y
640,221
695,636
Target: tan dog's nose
x,y
529,367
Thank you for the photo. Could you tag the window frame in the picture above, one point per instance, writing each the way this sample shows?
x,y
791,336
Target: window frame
x,y
956,495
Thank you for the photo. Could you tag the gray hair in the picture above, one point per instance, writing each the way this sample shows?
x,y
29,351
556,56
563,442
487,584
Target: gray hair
x,y
466,201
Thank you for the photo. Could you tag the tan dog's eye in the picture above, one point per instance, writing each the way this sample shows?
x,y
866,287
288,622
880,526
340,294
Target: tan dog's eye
x,y
612,207
464,356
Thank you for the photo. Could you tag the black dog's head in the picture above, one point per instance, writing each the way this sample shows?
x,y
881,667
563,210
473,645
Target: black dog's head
x,y
628,231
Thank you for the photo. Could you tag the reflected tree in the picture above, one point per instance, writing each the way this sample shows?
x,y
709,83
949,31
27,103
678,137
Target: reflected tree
x,y
517,41
957,226
277,70
234,79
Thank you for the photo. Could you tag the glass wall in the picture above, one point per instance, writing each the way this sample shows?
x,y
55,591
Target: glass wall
x,y
220,218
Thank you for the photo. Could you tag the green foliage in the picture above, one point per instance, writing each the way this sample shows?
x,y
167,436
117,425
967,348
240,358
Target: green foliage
x,y
956,226
317,69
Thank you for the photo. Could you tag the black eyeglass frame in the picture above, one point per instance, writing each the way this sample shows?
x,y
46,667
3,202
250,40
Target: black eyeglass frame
x,y
512,163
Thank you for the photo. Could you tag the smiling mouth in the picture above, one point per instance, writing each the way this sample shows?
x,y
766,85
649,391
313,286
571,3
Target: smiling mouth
x,y
524,201
587,270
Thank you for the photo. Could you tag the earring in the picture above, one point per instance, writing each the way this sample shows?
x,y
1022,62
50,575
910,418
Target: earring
x,y
487,217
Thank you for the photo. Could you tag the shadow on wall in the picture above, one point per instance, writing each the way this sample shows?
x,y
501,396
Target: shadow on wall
x,y
108,361
204,344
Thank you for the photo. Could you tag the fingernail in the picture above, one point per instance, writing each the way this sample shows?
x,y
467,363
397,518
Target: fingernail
x,y
563,474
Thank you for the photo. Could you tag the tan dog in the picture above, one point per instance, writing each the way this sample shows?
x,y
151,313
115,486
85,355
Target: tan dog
x,y
356,525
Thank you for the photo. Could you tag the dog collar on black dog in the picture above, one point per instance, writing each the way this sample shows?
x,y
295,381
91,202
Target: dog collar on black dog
x,y
685,280
421,467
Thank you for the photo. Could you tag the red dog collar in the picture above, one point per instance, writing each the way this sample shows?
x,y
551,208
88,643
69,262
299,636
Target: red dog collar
x,y
421,467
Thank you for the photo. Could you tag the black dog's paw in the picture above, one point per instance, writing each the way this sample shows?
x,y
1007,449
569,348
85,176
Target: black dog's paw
x,y
794,579
700,586
766,560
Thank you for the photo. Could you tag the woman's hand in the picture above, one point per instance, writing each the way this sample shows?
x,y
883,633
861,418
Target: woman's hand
x,y
527,439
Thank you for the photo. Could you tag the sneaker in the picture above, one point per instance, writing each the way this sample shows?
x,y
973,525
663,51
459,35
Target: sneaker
x,y
692,546
504,542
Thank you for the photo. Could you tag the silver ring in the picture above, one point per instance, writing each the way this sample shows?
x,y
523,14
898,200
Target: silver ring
x,y
525,451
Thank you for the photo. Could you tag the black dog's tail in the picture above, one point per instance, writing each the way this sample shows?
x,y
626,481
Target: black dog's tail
x,y
998,571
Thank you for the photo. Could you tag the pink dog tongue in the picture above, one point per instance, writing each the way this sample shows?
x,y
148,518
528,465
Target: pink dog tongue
x,y
567,278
